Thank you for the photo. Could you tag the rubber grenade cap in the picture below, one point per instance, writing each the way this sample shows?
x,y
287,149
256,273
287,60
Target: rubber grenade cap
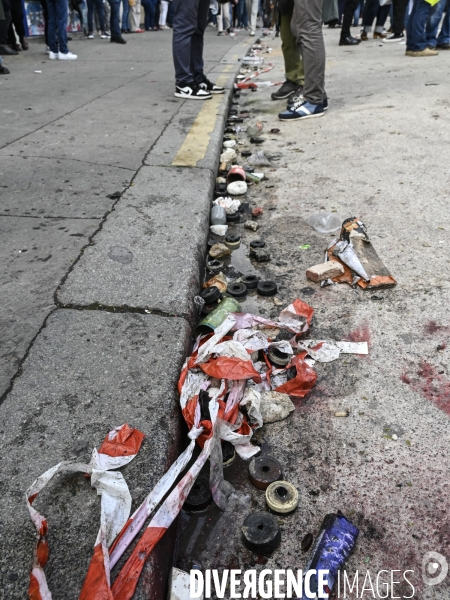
x,y
261,533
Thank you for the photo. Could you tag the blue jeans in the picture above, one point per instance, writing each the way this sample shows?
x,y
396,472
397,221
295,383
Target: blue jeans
x,y
125,13
189,24
114,19
101,15
57,26
433,24
170,15
150,9
416,38
241,14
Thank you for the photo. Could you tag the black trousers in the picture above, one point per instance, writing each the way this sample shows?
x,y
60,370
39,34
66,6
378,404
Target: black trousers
x,y
16,22
399,15
4,23
349,11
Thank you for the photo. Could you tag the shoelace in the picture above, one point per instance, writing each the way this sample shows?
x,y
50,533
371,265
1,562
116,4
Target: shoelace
x,y
298,101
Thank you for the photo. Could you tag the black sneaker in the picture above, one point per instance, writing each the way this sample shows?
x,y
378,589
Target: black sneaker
x,y
285,90
211,87
192,92
395,37
293,96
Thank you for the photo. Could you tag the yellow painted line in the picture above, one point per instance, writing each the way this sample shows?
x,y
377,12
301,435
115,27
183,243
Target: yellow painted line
x,y
196,142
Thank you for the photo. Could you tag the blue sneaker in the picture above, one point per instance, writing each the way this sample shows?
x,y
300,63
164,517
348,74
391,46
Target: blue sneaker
x,y
297,99
302,110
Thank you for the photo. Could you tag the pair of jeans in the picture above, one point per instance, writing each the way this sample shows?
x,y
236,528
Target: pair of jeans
x,y
170,15
416,38
5,23
293,63
98,4
17,20
189,24
125,14
114,19
242,14
57,26
149,9
306,27
433,24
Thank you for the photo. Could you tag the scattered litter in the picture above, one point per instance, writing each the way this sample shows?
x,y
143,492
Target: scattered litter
x,y
264,470
255,177
219,250
237,188
220,230
180,585
275,130
257,140
257,244
255,128
324,222
261,533
236,173
267,288
38,71
259,159
229,144
233,240
394,437
250,281
211,294
341,413
252,225
260,255
228,156
306,542
214,266
253,60
238,290
257,212
354,250
333,545
200,496
305,247
217,316
230,205
275,406
218,215
220,281
325,271
282,497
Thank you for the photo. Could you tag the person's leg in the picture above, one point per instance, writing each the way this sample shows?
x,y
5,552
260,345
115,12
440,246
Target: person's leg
x,y
433,23
443,40
226,9
184,27
349,11
219,19
399,15
170,15
135,15
307,28
52,26
370,12
90,16
106,15
61,12
114,23
125,15
163,13
100,15
293,63
18,18
197,41
45,11
5,23
416,40
253,15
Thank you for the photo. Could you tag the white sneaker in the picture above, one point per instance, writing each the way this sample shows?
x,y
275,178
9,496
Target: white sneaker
x,y
252,33
105,36
52,55
90,36
68,56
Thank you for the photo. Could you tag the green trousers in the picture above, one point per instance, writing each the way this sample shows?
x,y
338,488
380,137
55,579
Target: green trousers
x,y
293,62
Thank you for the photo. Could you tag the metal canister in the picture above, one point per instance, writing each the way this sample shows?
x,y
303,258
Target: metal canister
x,y
217,316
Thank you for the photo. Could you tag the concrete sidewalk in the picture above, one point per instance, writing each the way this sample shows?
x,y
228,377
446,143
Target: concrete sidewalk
x,y
106,183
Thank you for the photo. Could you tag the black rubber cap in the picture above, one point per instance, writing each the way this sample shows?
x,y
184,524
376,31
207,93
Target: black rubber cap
x,y
264,470
307,542
256,140
200,496
267,288
238,290
278,358
257,244
232,238
261,533
234,218
211,294
246,153
250,281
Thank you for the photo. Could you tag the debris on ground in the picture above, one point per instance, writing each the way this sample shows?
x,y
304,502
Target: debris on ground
x,y
219,250
325,271
324,222
362,265
252,225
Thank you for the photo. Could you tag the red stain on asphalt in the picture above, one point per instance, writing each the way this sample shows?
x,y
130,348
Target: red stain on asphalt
x,y
432,327
432,385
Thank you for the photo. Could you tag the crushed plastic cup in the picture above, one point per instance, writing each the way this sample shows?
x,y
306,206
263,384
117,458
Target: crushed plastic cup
x,y
324,222
259,159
